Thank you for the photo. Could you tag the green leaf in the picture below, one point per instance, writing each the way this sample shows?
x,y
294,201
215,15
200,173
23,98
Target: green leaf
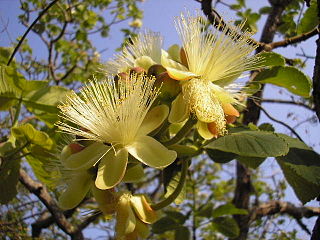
x,y
227,226
266,127
252,162
310,18
220,156
42,171
271,59
165,224
184,150
45,99
177,216
9,173
251,144
28,134
205,210
304,189
182,233
301,167
290,78
228,209
5,54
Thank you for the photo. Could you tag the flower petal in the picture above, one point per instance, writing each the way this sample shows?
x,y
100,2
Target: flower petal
x,y
174,52
145,62
85,158
105,198
142,229
111,169
153,119
77,189
175,70
133,174
230,110
179,110
179,74
151,152
203,130
143,210
126,220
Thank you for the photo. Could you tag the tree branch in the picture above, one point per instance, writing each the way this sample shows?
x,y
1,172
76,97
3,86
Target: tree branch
x,y
316,73
280,122
41,192
290,41
280,207
301,104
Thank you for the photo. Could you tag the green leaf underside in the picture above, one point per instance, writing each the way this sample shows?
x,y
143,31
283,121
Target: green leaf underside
x,y
9,173
28,134
182,233
301,167
252,162
272,59
39,98
288,77
251,144
227,226
304,189
228,209
165,224
310,18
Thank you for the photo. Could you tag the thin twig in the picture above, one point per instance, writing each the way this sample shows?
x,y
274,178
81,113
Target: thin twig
x,y
28,30
280,122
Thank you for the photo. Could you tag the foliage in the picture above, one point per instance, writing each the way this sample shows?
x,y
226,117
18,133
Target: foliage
x,y
31,90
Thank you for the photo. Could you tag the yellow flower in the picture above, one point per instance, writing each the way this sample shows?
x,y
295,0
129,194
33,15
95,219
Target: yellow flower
x,y
116,117
209,62
143,51
133,213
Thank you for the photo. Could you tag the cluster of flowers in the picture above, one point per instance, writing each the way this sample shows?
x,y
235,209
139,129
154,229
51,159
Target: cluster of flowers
x,y
114,119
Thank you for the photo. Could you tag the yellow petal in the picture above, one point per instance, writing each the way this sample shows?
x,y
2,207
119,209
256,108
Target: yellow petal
x,y
227,80
142,229
230,110
213,129
85,158
174,52
151,152
133,174
143,210
145,62
179,110
153,119
105,198
111,169
223,95
126,220
203,130
175,70
179,74
77,189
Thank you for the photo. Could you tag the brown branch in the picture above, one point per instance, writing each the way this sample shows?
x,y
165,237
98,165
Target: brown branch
x,y
280,207
316,98
300,104
243,180
280,122
46,220
41,192
289,41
